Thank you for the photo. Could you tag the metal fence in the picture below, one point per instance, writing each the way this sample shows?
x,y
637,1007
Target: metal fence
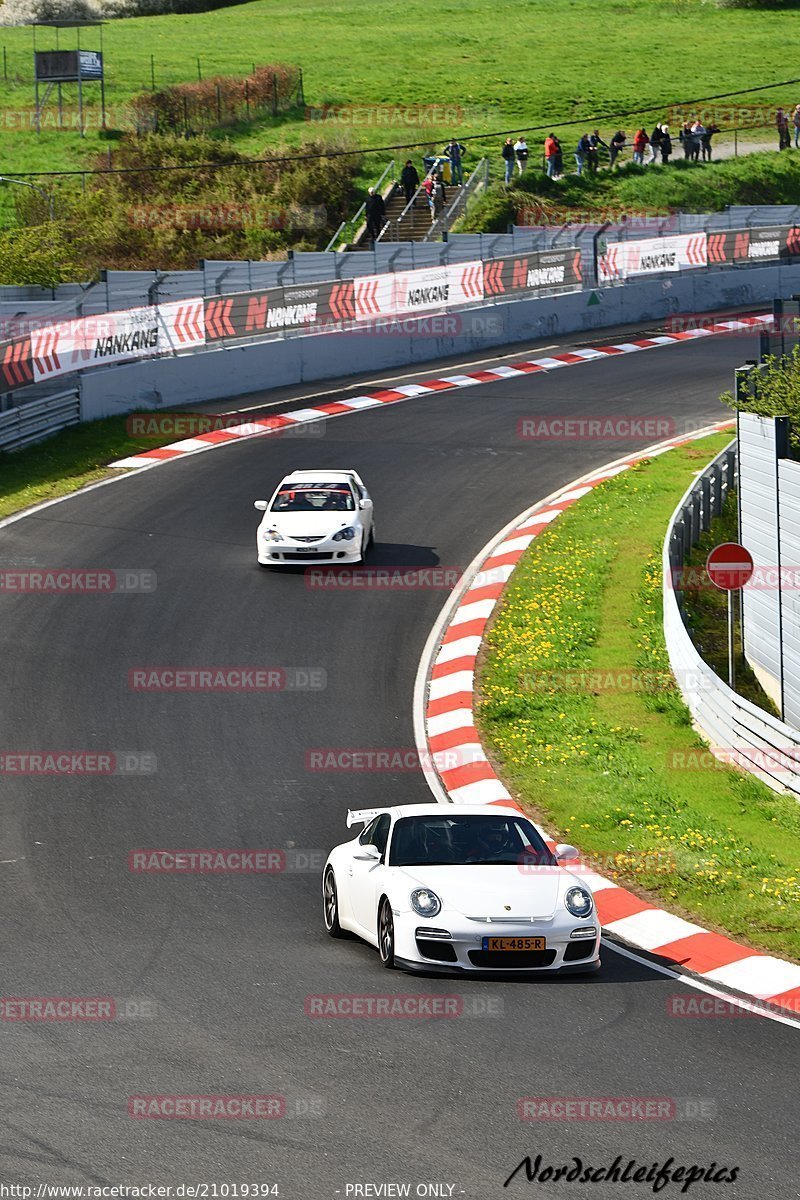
x,y
738,731
38,419
131,289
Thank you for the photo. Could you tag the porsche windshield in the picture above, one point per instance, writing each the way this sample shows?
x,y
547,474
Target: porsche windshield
x,y
455,840
313,497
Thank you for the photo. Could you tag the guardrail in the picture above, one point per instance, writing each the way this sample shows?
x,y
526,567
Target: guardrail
x,y
36,420
738,731
476,183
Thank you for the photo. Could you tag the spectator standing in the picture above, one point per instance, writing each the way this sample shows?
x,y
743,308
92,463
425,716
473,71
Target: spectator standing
x,y
640,143
409,181
508,159
521,152
665,145
782,125
550,155
582,152
429,187
685,138
438,196
698,132
559,167
615,149
595,142
705,141
375,212
455,151
655,142
796,123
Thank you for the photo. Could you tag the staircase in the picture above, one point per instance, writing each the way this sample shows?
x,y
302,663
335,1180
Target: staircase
x,y
404,224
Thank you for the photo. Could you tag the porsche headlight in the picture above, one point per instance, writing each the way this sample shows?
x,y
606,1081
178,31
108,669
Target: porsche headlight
x,y
578,901
272,535
345,535
425,902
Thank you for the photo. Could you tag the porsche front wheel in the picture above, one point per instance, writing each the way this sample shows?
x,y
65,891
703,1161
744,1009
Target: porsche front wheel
x,y
386,934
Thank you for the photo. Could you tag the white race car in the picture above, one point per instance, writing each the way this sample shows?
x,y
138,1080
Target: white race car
x,y
314,517
448,890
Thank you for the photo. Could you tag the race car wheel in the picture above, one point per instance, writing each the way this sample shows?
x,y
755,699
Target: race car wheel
x,y
386,934
330,906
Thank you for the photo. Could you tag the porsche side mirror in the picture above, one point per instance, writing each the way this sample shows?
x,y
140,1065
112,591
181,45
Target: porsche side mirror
x,y
365,504
566,852
261,505
368,853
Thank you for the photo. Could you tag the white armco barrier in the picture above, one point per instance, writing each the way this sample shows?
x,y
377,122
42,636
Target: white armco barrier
x,y
738,732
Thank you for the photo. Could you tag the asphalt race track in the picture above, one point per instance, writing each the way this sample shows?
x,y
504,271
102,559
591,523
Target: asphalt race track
x,y
225,962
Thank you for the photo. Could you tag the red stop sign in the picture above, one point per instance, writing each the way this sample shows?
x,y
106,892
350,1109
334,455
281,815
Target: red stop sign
x,y
729,566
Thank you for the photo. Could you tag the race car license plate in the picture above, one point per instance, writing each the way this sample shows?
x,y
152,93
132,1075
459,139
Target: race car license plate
x,y
514,943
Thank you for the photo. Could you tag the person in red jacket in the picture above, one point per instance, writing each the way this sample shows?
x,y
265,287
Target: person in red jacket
x,y
551,149
640,143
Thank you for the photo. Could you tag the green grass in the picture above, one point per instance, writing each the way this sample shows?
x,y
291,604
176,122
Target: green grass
x,y
603,764
760,178
68,461
413,53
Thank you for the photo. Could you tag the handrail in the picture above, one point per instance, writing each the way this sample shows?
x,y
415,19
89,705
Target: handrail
x,y
354,221
478,178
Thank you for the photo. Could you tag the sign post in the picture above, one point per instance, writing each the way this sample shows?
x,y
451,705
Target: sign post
x,y
729,567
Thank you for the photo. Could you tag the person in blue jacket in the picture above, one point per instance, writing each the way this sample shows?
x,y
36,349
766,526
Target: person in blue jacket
x,y
454,151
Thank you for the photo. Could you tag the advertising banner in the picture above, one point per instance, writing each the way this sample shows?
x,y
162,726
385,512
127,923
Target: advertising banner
x,y
764,242
94,341
652,256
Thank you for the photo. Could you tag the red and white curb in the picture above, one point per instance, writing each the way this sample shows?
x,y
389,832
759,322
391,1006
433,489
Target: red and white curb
x,y
458,770
281,422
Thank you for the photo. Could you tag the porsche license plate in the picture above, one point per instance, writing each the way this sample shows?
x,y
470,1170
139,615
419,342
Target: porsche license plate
x,y
514,943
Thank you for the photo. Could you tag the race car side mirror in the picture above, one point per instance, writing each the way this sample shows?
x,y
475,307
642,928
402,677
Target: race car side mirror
x,y
261,505
365,504
368,853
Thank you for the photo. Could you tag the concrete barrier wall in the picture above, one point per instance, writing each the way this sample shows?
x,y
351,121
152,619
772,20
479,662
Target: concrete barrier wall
x,y
216,374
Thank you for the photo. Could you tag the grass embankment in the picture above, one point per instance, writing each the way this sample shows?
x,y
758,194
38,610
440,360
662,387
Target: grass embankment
x,y
68,461
764,178
610,759
416,54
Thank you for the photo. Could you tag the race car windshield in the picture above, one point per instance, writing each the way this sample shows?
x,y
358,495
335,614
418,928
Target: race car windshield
x,y
313,497
436,841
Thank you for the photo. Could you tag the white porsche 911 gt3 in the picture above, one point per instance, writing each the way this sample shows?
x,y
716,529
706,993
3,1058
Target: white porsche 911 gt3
x,y
315,517
453,889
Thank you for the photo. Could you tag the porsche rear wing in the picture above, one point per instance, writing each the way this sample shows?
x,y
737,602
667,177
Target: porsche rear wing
x,y
360,816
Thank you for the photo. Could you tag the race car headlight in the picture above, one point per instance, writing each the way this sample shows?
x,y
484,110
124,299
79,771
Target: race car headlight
x,y
425,902
578,901
272,535
345,535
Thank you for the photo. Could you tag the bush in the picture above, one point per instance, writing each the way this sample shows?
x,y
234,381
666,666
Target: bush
x,y
27,12
196,107
774,391
42,255
169,219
